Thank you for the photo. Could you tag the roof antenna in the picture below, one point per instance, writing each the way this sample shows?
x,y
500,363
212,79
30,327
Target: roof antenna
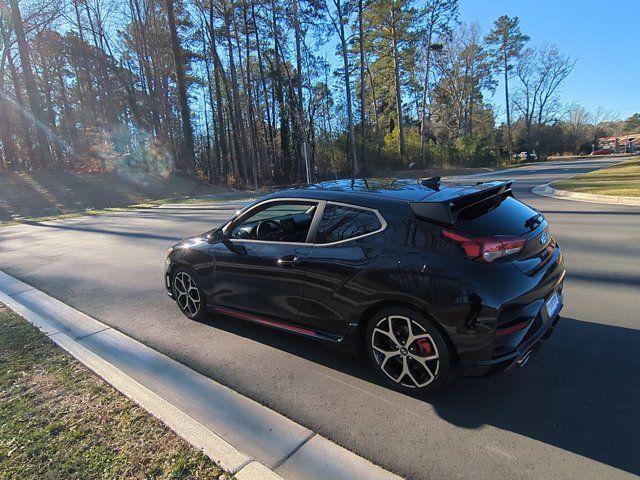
x,y
432,182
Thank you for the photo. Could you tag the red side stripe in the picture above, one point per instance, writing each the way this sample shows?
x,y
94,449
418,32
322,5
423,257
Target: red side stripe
x,y
265,321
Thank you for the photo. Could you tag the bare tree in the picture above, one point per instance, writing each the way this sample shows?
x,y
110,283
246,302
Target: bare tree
x,y
578,125
541,73
553,71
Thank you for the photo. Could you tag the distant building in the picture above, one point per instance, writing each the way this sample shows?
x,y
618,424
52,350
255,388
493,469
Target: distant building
x,y
622,143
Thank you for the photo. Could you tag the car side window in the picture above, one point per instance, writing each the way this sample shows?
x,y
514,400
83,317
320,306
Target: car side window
x,y
340,222
277,222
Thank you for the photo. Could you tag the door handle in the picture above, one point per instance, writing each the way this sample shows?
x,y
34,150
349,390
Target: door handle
x,y
289,261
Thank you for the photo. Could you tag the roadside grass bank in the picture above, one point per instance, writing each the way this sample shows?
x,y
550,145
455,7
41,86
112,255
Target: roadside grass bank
x,y
619,180
79,213
59,421
53,193
200,200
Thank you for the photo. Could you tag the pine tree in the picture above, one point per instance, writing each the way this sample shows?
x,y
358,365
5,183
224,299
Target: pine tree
x,y
507,41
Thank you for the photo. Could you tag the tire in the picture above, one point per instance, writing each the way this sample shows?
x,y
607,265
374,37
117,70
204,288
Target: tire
x,y
407,351
187,293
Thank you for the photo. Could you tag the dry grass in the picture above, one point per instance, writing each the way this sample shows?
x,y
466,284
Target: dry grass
x,y
59,421
619,180
51,193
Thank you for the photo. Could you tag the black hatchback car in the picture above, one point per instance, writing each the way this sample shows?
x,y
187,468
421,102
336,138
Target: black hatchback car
x,y
428,279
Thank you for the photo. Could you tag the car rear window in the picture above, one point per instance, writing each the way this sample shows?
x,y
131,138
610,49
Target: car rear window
x,y
498,215
340,222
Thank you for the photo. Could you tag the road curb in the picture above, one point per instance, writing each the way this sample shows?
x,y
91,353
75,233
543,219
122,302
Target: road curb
x,y
246,439
547,190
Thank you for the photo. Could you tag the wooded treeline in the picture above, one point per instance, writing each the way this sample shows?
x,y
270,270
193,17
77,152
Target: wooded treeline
x,y
255,92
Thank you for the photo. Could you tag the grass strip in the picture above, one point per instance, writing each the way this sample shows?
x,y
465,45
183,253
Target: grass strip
x,y
620,180
60,421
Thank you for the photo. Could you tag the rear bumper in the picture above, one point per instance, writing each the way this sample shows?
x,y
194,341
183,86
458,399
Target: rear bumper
x,y
522,323
517,358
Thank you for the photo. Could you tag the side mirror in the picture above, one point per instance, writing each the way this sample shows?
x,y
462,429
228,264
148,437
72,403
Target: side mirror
x,y
215,235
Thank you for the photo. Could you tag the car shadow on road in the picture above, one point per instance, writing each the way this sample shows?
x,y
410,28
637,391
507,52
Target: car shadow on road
x,y
580,393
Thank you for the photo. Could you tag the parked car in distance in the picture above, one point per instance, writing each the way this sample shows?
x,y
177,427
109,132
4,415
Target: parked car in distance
x,y
425,278
603,151
523,156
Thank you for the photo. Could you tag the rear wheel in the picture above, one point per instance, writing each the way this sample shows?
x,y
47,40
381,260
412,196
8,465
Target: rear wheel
x,y
407,351
188,294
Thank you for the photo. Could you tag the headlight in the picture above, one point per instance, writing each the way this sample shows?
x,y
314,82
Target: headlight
x,y
169,251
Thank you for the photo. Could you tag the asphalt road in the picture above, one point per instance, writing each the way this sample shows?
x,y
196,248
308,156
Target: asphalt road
x,y
571,412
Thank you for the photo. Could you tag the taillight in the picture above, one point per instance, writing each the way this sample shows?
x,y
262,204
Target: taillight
x,y
485,249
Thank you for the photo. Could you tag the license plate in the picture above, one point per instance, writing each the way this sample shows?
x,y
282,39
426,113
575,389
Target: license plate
x,y
552,304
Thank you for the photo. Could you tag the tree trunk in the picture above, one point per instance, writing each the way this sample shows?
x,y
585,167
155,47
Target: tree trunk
x,y
8,145
302,140
425,95
237,126
375,113
363,128
351,147
8,161
218,76
269,127
396,78
284,122
51,115
506,94
223,158
22,161
255,148
42,148
252,120
187,163
207,64
82,75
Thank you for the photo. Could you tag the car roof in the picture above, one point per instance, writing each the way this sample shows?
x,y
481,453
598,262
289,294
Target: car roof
x,y
380,193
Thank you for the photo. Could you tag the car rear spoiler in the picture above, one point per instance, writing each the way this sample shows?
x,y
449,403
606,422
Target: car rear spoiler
x,y
446,211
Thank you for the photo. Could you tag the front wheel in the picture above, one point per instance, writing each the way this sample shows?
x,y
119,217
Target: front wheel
x,y
188,294
407,351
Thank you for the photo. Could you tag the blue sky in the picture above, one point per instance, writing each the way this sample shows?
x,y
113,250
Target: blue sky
x,y
604,38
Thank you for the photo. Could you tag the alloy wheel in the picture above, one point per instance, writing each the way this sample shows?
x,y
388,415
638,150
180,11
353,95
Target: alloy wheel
x,y
405,351
187,293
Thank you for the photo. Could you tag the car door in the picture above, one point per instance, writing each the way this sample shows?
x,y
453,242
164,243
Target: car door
x,y
343,255
264,274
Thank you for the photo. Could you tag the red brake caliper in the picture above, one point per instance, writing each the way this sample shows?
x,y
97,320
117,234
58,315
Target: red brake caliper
x,y
424,346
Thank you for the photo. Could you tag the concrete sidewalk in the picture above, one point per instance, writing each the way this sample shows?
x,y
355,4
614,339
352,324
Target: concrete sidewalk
x,y
245,438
